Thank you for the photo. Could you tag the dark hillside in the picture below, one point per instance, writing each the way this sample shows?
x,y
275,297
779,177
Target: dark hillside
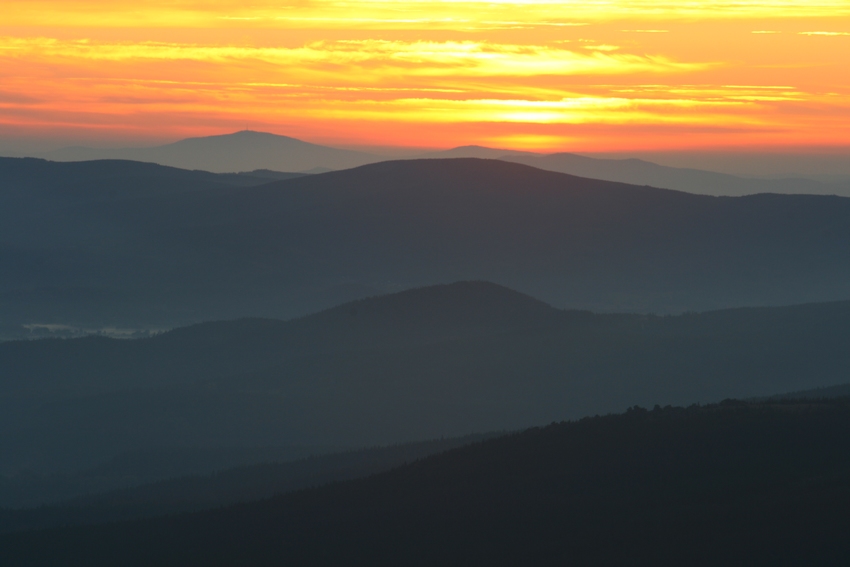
x,y
734,484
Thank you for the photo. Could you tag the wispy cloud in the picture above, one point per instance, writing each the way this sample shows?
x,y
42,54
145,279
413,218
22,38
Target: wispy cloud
x,y
446,14
423,58
827,33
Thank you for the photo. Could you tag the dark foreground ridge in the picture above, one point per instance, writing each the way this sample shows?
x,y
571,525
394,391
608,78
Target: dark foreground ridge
x,y
729,484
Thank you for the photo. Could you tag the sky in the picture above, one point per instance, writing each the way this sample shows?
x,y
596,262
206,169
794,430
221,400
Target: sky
x,y
583,75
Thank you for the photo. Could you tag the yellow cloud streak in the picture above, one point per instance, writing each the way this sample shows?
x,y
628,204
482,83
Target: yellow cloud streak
x,y
396,14
555,76
648,104
418,58
576,110
348,95
656,111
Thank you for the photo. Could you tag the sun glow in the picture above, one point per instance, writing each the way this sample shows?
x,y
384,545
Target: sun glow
x,y
565,74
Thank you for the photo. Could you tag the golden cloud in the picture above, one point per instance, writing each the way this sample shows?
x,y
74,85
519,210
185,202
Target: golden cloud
x,y
428,58
445,14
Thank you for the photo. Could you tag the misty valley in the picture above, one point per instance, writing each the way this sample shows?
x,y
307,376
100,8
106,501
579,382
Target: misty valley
x,y
248,350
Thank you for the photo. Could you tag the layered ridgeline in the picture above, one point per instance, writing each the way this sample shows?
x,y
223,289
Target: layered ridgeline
x,y
287,248
733,484
641,172
438,361
248,151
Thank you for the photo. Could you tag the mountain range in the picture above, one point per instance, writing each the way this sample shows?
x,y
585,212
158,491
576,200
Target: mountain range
x,y
248,151
80,247
437,361
323,365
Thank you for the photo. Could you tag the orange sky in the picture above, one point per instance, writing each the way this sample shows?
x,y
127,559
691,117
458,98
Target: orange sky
x,y
589,75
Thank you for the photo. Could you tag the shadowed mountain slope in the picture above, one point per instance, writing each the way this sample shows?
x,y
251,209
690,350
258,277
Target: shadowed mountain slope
x,y
440,361
37,194
749,484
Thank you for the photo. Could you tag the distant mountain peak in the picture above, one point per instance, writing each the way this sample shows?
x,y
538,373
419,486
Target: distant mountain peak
x,y
244,150
257,134
243,136
473,303
250,134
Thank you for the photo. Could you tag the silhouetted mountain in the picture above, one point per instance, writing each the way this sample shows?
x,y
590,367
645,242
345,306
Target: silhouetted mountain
x,y
440,361
101,503
240,151
734,484
290,247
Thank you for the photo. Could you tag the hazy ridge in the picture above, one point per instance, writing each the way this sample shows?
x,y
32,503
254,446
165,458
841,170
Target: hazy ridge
x,y
248,151
99,254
